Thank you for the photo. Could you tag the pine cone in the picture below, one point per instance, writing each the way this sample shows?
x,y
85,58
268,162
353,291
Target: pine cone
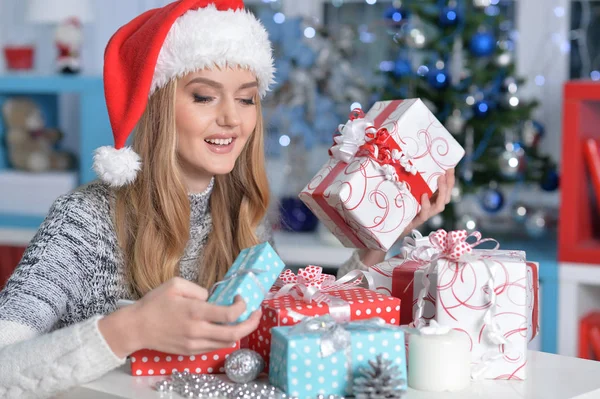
x,y
381,381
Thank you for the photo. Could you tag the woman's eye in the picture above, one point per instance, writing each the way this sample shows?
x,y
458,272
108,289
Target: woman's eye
x,y
202,99
247,101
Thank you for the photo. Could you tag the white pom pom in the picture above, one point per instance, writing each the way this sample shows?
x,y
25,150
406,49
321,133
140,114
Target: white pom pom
x,y
116,167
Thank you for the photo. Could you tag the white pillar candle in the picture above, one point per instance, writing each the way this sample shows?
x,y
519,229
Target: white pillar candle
x,y
439,359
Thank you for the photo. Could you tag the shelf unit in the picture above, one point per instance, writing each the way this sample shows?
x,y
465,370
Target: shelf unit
x,y
579,232
26,197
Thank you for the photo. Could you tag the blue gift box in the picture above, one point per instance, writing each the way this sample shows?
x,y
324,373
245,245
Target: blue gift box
x,y
307,361
251,276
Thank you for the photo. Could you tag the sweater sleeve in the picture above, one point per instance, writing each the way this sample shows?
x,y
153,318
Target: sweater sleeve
x,y
50,279
354,263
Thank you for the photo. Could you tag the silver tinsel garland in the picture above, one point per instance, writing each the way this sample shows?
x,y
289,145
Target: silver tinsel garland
x,y
191,385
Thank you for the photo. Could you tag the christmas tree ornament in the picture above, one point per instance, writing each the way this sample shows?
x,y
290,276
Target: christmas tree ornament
x,y
449,16
550,180
519,212
402,67
467,222
436,222
455,123
419,34
537,223
482,108
395,15
504,59
492,199
244,365
532,132
512,160
482,3
380,381
482,43
191,385
438,78
457,193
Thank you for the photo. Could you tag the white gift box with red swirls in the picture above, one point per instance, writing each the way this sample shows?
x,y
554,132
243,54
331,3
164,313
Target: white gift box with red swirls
x,y
367,203
458,298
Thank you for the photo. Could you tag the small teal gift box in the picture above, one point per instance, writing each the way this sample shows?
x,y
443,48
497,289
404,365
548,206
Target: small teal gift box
x,y
322,357
251,276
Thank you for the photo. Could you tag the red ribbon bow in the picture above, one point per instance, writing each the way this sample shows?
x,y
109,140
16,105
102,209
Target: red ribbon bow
x,y
311,284
453,245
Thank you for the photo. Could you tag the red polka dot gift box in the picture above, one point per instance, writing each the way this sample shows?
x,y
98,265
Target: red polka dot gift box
x,y
148,362
311,293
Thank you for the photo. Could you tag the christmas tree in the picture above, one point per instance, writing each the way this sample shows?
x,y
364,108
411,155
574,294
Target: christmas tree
x,y
458,56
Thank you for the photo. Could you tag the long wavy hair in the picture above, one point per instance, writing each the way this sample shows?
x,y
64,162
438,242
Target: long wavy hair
x,y
152,215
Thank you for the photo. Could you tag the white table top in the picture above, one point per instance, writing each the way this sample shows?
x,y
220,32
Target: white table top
x,y
550,377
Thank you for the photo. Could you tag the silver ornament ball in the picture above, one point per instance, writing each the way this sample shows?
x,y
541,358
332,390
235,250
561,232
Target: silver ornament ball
x,y
503,59
436,222
467,222
415,38
244,365
457,193
519,212
482,3
456,122
537,223
530,133
511,161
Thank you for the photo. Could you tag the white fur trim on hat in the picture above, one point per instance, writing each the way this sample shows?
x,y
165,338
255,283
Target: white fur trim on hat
x,y
116,167
207,37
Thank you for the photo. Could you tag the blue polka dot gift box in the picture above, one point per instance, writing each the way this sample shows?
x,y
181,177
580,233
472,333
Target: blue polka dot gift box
x,y
322,357
251,276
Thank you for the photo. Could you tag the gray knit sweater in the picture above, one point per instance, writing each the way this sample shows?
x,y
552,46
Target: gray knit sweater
x,y
71,275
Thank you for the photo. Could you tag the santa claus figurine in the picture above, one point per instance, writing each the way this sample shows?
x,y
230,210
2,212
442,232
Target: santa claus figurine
x,y
69,37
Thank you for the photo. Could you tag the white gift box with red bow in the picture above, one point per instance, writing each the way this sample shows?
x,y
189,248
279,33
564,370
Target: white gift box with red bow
x,y
490,295
380,166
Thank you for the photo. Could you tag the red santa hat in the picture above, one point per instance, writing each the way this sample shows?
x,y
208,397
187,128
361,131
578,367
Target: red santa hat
x,y
166,43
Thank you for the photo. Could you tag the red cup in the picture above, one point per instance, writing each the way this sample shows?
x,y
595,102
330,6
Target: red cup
x,y
19,57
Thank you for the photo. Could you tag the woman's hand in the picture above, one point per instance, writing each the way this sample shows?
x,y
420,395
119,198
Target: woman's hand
x,y
429,208
437,204
175,318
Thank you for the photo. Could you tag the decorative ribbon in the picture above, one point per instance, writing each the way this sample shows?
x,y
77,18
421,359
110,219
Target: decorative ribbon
x,y
335,336
454,247
251,272
311,285
359,137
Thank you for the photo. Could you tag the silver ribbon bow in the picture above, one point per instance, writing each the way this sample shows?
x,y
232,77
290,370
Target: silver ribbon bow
x,y
351,138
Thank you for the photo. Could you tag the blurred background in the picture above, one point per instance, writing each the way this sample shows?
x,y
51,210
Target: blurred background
x,y
517,82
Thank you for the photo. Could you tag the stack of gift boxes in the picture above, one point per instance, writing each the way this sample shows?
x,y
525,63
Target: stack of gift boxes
x,y
367,193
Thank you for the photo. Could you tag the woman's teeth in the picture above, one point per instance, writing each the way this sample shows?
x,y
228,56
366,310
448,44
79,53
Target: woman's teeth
x,y
219,141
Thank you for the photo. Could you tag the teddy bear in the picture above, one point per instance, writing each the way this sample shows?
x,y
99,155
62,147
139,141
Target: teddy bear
x,y
30,145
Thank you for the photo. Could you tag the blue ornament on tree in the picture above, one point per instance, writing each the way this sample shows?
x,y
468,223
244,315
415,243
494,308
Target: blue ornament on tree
x,y
402,67
438,78
395,15
295,216
492,199
550,180
449,16
482,108
483,44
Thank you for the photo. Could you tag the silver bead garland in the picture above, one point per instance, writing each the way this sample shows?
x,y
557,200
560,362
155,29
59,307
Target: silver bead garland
x,y
190,385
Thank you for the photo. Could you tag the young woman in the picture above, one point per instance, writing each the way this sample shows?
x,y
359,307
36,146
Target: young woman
x,y
168,215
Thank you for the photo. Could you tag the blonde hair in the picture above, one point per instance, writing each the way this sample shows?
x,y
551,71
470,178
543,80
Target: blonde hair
x,y
152,215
